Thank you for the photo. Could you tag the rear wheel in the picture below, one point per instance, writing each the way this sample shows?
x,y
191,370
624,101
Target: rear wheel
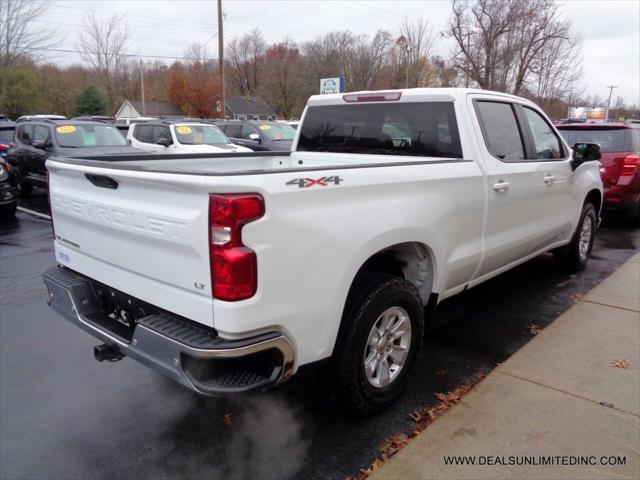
x,y
373,359
24,189
574,256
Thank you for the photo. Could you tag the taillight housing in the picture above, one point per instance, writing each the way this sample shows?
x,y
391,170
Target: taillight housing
x,y
234,266
630,165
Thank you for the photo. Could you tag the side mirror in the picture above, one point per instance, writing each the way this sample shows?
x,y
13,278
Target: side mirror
x,y
255,137
585,152
165,142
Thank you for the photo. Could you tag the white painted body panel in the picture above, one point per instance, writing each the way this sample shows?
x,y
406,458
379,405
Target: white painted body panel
x,y
311,242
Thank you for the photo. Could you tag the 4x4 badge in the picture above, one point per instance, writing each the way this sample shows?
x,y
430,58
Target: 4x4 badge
x,y
310,182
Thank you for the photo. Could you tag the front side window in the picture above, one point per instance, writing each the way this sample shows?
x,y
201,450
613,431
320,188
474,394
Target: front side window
x,y
233,130
143,133
426,129
277,131
547,144
500,130
41,135
81,136
161,135
200,135
248,130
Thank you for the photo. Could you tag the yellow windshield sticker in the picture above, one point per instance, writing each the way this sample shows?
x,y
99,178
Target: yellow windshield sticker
x,y
184,129
265,127
66,129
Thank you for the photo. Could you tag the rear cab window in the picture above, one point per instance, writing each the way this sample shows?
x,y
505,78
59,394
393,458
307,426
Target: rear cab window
x,y
610,138
424,129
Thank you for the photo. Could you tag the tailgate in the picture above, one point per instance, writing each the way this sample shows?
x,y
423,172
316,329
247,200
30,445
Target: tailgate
x,y
142,233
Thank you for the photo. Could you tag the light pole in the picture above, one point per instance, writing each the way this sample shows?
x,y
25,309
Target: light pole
x,y
221,59
606,113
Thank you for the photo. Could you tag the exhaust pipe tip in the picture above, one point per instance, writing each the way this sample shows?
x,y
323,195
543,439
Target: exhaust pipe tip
x,y
110,353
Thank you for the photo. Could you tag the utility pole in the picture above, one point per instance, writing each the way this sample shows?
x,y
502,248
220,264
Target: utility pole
x,y
144,106
221,59
606,113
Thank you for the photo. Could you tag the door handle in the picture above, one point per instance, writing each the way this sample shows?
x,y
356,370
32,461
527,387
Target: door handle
x,y
549,179
501,186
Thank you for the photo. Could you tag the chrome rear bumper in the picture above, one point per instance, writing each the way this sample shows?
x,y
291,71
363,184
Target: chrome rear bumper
x,y
192,355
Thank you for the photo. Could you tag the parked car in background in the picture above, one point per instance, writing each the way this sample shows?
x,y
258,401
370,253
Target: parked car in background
x,y
620,170
8,196
25,118
37,140
164,136
259,135
7,130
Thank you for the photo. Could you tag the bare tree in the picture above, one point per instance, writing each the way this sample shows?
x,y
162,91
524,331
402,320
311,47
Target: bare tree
x,y
365,59
504,44
102,44
246,56
283,80
416,43
555,71
19,36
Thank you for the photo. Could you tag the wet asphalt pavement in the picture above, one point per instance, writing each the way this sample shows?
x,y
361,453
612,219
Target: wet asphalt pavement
x,y
64,415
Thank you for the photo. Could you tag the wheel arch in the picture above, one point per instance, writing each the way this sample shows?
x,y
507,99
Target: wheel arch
x,y
594,196
414,261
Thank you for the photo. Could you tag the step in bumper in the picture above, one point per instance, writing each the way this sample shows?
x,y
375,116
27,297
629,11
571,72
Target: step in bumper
x,y
189,353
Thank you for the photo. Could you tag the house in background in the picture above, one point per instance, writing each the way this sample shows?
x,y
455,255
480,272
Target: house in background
x,y
248,108
132,109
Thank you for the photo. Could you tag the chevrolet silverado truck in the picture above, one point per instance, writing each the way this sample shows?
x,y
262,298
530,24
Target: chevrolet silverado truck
x,y
231,273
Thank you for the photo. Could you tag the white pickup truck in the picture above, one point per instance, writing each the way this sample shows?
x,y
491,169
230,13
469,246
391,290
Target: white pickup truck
x,y
229,274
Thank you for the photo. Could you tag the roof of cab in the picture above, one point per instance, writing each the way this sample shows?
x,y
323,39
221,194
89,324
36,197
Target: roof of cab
x,y
410,94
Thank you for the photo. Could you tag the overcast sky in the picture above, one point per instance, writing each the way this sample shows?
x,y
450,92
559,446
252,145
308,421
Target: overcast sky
x,y
610,29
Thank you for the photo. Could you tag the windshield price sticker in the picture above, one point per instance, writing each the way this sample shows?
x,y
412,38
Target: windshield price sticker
x,y
265,127
66,129
184,130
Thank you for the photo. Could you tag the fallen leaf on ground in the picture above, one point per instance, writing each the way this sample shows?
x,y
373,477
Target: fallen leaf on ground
x,y
575,296
227,419
534,329
619,364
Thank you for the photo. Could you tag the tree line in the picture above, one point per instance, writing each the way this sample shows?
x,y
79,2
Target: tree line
x,y
523,47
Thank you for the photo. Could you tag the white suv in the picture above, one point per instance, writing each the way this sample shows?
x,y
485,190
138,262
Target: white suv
x,y
190,137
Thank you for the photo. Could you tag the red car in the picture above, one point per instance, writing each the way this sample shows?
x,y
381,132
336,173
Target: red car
x,y
620,171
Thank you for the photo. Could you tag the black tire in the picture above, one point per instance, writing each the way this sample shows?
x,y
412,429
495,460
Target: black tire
x,y
375,295
572,256
24,189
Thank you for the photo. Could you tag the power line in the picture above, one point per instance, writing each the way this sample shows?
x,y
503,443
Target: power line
x,y
132,55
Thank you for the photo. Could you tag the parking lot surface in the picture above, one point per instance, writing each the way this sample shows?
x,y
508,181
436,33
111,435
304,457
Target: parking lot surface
x,y
64,415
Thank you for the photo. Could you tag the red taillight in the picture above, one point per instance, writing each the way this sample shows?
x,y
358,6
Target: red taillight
x,y
630,165
372,97
234,269
3,147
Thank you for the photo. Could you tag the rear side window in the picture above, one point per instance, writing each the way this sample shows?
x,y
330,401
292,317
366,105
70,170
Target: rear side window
x,y
143,133
500,130
426,129
545,141
609,139
25,133
233,130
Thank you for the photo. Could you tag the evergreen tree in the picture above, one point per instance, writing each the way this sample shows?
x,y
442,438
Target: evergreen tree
x,y
90,102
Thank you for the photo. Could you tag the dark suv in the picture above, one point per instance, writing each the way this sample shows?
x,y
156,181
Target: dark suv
x,y
620,163
37,140
259,135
